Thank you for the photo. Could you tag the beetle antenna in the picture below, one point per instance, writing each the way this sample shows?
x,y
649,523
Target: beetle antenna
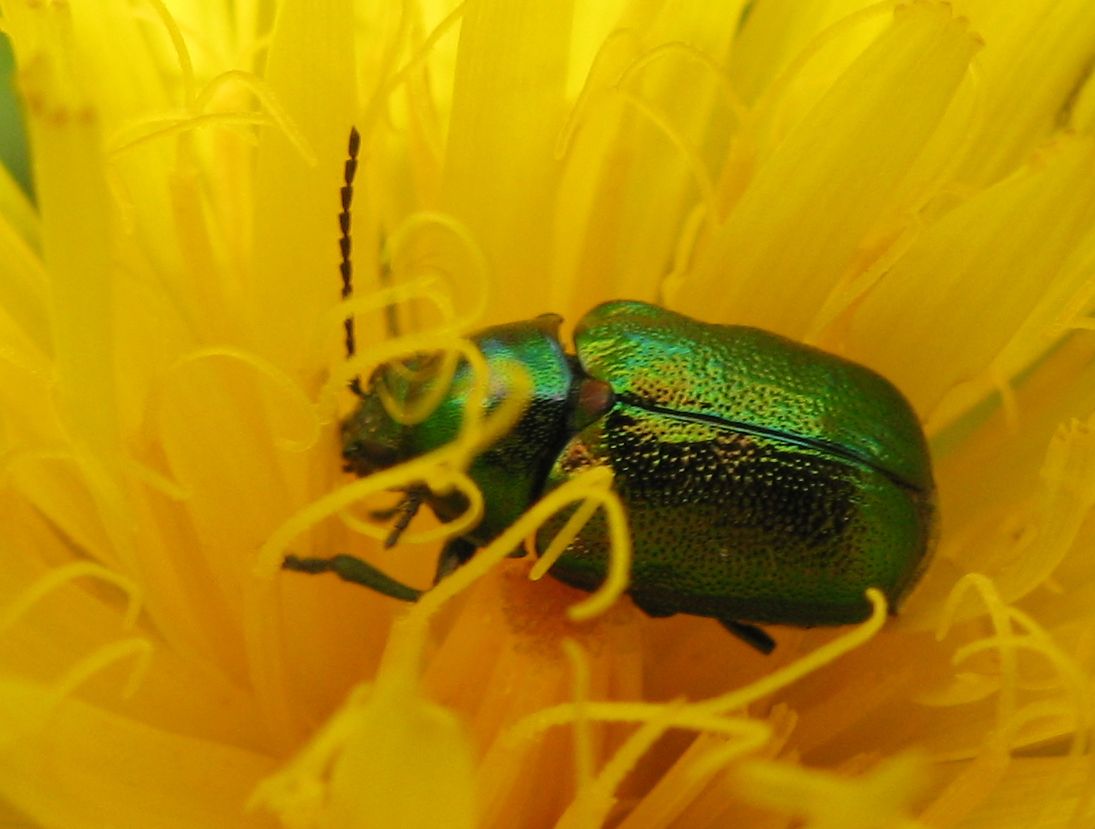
x,y
345,265
391,319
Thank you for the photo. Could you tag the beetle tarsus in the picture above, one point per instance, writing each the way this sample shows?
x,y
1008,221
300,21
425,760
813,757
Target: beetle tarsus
x,y
750,635
406,510
356,571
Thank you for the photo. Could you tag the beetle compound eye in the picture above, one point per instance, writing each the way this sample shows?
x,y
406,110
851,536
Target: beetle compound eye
x,y
365,456
593,399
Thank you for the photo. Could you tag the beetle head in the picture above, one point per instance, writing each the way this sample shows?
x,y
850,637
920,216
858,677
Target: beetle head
x,y
372,439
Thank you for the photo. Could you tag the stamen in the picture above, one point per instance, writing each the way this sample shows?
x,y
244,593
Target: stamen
x,y
293,396
583,743
61,577
137,648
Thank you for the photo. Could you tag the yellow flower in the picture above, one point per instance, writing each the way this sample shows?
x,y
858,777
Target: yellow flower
x,y
909,184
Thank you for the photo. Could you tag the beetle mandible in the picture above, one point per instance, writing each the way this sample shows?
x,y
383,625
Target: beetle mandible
x,y
766,481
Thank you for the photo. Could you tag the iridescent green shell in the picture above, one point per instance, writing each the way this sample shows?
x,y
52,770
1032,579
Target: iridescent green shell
x,y
764,480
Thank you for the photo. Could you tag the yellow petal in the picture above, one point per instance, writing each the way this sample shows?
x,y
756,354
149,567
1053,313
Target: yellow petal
x,y
1040,55
825,183
77,765
507,107
988,262
310,70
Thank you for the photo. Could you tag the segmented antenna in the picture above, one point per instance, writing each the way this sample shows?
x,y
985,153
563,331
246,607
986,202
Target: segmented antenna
x,y
345,266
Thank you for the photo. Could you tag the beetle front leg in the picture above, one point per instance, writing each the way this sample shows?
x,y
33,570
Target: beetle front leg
x,y
404,512
356,571
455,554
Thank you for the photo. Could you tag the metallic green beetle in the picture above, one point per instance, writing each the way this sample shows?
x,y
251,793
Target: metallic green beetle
x,y
765,481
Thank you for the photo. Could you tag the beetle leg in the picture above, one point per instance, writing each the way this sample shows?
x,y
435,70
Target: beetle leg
x,y
356,571
405,511
455,554
750,635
